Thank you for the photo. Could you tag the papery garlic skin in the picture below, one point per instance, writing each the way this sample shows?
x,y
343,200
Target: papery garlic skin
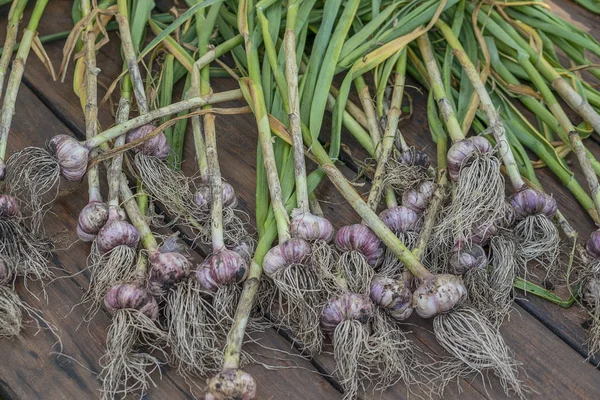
x,y
9,207
203,196
310,227
531,202
157,146
467,257
222,268
401,220
72,156
438,294
166,269
418,199
359,238
295,251
461,152
393,296
117,233
349,306
130,296
231,384
91,219
415,158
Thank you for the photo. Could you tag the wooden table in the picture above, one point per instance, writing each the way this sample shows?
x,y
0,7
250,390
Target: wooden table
x,y
548,340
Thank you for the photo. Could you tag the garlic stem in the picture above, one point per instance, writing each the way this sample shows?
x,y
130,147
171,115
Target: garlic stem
x,y
136,217
14,18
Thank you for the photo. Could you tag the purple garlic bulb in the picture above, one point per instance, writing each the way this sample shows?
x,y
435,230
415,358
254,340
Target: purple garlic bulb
x,y
156,147
295,251
231,384
465,258
415,158
310,227
418,199
401,220
130,296
348,306
117,233
9,207
91,219
593,244
438,294
2,169
72,156
461,153
591,292
203,196
531,202
244,248
6,274
222,268
166,270
360,238
393,296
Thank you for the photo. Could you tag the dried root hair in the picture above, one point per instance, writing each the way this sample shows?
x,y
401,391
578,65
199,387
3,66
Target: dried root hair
x,y
106,270
350,340
478,199
538,240
593,339
391,266
195,344
32,176
324,257
128,362
29,252
11,312
356,271
402,177
468,336
504,262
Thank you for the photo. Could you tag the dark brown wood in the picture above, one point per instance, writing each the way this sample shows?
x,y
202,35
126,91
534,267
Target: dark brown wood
x,y
542,335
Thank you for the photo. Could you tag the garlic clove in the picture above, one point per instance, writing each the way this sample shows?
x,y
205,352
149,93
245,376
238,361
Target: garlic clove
x,y
231,384
157,146
359,238
309,227
91,219
224,267
295,251
349,306
130,296
72,156
438,294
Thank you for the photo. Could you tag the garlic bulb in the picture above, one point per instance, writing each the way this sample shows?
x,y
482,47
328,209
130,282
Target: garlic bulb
x,y
461,152
310,227
6,274
531,202
438,294
415,158
418,199
130,296
346,307
360,238
203,197
157,146
295,251
221,268
72,156
231,384
9,207
117,233
166,269
393,296
593,244
465,258
91,219
401,220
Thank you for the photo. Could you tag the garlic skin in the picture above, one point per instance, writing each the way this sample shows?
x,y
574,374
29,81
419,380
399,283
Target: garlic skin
x,y
591,291
231,384
166,269
224,267
415,158
295,251
401,220
393,296
2,169
117,233
531,202
72,156
481,233
6,275
91,219
346,307
438,294
360,238
130,296
460,153
418,199
157,146
9,207
465,258
309,227
203,196
593,244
